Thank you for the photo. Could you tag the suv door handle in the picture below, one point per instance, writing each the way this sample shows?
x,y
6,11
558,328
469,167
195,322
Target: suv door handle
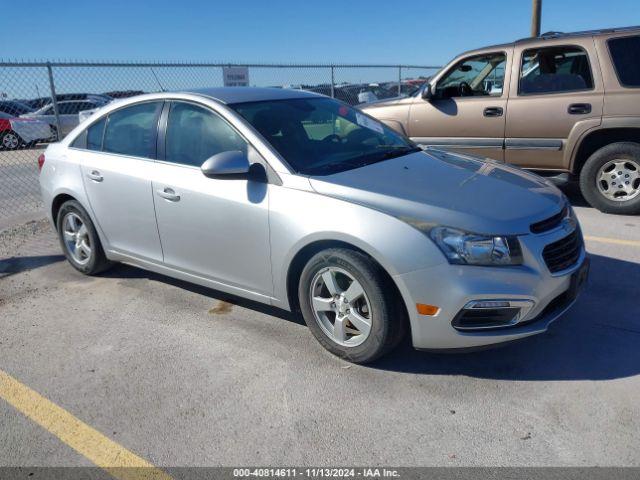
x,y
579,108
493,112
95,175
168,194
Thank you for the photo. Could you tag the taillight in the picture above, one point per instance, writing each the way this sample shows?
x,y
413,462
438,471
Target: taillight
x,y
40,162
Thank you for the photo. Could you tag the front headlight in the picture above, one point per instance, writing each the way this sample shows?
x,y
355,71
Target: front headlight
x,y
466,248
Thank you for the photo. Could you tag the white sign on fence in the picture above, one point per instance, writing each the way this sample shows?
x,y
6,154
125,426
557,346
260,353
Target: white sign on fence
x,y
235,76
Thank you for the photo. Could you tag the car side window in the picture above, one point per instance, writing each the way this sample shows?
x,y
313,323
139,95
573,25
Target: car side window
x,y
132,130
480,75
554,70
94,135
195,133
625,53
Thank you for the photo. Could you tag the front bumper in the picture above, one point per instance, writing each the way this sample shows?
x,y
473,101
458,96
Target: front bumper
x,y
451,287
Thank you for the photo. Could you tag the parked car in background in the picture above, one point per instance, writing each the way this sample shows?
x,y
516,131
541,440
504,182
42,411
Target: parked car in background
x,y
18,132
14,108
38,103
253,192
123,93
67,111
355,94
564,105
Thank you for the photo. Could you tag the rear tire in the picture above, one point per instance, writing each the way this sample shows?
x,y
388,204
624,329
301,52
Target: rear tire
x,y
79,239
10,140
610,179
358,318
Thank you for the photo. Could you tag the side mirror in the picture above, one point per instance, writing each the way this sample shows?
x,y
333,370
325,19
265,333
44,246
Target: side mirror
x,y
427,92
229,163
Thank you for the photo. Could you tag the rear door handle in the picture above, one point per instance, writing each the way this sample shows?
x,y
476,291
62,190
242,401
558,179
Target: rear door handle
x,y
493,112
579,108
168,194
95,175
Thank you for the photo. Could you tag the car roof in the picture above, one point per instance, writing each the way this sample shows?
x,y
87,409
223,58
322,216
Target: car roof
x,y
230,95
554,35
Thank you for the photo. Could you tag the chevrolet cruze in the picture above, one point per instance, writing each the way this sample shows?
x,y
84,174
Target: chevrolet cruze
x,y
297,200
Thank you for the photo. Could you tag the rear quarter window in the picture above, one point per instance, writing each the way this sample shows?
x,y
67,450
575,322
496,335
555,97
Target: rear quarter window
x,y
625,54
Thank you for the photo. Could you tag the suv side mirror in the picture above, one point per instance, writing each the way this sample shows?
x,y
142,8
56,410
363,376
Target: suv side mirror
x,y
427,92
229,163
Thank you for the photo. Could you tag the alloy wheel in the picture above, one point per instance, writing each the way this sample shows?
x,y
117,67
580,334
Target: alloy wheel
x,y
10,141
340,306
76,238
619,180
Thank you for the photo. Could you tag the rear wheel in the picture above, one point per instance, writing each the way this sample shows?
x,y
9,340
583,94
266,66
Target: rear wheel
x,y
610,179
349,305
79,240
10,140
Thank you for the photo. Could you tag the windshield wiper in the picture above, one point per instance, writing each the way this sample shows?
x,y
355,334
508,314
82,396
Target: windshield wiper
x,y
362,161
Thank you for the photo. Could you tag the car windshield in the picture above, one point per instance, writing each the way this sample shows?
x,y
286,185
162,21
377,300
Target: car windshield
x,y
321,136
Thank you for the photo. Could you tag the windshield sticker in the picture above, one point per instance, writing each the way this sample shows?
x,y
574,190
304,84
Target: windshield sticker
x,y
369,123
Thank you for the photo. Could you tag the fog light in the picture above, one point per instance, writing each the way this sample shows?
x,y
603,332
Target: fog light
x,y
486,314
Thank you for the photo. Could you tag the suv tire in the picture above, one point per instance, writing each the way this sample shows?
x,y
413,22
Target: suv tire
x,y
79,239
377,304
601,162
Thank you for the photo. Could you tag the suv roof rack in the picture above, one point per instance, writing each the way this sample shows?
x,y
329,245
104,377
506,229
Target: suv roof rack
x,y
553,34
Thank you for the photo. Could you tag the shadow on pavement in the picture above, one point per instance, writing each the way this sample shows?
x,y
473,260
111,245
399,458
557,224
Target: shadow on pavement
x,y
126,271
13,265
596,340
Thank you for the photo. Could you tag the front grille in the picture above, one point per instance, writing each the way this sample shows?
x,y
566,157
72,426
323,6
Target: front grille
x,y
563,253
549,223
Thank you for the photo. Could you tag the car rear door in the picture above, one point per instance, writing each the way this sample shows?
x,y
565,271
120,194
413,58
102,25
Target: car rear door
x,y
117,164
471,121
556,95
216,228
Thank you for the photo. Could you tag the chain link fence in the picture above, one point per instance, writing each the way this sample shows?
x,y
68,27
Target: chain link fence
x,y
42,102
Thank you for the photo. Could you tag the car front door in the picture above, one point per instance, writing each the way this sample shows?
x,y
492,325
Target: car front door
x,y
216,228
466,111
117,165
556,95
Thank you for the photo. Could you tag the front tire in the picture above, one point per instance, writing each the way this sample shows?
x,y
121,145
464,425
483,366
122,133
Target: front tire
x,y
349,305
79,239
610,179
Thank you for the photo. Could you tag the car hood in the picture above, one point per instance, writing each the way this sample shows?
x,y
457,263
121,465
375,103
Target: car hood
x,y
385,102
437,187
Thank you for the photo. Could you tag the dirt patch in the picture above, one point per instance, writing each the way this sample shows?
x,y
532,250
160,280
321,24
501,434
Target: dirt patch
x,y
221,308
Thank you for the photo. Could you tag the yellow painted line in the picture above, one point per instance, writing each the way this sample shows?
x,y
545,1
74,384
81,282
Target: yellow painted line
x,y
105,453
615,241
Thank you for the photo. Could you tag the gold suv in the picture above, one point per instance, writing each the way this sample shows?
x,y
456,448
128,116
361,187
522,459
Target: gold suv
x,y
564,105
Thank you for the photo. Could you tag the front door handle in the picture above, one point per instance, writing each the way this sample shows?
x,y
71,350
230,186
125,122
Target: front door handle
x,y
168,194
579,108
95,175
493,112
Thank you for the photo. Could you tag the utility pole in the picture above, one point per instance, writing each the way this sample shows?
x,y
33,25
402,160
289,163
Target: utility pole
x,y
535,18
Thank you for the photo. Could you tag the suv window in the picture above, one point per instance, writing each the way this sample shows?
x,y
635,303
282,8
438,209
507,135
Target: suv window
x,y
554,70
625,53
132,130
195,133
481,75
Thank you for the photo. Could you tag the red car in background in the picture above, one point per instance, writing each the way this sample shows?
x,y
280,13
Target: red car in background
x,y
17,132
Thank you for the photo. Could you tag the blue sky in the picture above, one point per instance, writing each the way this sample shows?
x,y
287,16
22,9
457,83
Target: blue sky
x,y
418,32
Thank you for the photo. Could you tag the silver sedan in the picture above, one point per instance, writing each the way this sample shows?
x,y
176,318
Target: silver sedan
x,y
299,201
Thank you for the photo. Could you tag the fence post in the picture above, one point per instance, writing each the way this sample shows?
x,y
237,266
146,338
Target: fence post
x,y
54,100
399,80
333,83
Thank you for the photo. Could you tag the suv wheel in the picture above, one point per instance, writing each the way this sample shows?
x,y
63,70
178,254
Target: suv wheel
x,y
610,179
349,306
79,240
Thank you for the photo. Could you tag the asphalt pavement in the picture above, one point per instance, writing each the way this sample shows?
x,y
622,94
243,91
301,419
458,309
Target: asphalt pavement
x,y
181,375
